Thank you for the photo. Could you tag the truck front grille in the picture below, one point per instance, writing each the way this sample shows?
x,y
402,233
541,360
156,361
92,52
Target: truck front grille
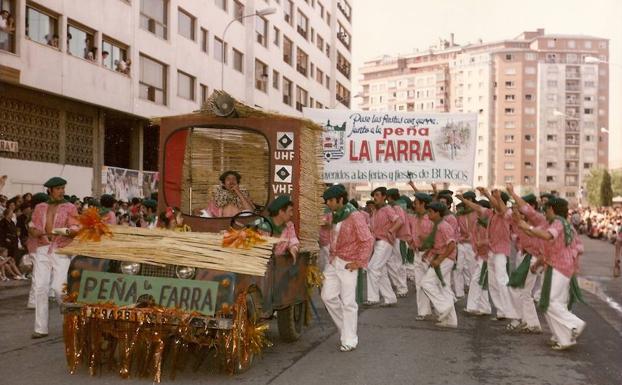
x,y
167,271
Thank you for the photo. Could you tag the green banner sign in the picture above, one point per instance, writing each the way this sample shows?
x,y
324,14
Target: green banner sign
x,y
122,290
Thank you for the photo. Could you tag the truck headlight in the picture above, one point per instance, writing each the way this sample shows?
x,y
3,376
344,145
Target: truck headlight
x,y
185,272
131,268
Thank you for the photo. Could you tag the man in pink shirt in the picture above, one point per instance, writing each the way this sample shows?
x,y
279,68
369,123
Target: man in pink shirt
x,y
53,225
107,202
281,211
395,265
499,237
384,225
420,228
467,220
559,288
530,248
351,244
441,254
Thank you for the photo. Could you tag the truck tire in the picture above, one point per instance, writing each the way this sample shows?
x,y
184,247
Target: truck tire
x,y
290,322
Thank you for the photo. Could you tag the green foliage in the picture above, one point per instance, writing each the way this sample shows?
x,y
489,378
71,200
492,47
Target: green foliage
x,y
616,182
606,194
592,185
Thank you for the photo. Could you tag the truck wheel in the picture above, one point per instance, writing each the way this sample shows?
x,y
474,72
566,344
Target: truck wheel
x,y
290,321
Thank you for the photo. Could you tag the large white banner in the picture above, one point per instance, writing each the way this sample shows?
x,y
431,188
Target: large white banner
x,y
366,146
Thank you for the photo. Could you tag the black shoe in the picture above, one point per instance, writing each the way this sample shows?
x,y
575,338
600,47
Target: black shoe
x,y
36,335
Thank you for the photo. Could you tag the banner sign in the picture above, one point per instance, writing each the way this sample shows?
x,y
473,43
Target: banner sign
x,y
125,290
126,184
371,146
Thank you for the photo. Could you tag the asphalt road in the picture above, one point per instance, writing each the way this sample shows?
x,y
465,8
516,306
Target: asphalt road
x,y
393,349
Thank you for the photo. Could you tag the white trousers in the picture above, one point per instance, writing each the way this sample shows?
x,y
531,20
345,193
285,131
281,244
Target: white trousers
x,y
339,296
561,320
497,286
50,271
477,300
378,283
31,295
322,260
462,273
424,307
522,299
441,296
396,269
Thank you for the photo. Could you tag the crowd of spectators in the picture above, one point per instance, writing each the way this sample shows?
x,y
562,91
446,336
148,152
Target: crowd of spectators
x,y
599,223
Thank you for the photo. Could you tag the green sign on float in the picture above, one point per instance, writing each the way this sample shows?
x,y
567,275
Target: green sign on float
x,y
123,290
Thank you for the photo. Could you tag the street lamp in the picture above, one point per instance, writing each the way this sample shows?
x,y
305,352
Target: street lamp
x,y
260,13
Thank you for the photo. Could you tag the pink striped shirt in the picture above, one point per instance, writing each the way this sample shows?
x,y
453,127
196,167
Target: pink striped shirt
x,y
557,254
381,221
420,228
453,222
499,234
354,241
482,245
288,239
445,235
403,233
66,216
466,224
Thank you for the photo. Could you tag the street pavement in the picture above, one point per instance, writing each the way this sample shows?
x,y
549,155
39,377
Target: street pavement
x,y
393,348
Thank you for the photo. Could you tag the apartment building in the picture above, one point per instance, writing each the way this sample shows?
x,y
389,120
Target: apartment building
x,y
79,80
541,99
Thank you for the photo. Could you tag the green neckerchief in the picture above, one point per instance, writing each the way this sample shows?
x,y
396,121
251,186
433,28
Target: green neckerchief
x,y
483,276
575,292
464,211
428,242
103,211
56,202
482,221
408,255
518,277
568,233
343,213
439,274
276,230
545,292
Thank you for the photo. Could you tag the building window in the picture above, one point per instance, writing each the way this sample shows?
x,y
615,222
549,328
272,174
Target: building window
x,y
550,43
80,42
238,10
587,44
328,51
261,76
7,26
508,151
204,93
343,65
276,77
288,12
303,25
302,61
509,111
185,86
530,56
345,8
114,56
509,84
551,138
319,75
528,165
510,71
510,97
343,95
185,24
220,50
222,4
238,60
42,27
588,111
588,165
508,166
319,42
508,57
287,91
288,50
344,36
152,81
301,98
530,70
261,30
528,97
509,138
153,17
550,178
204,40
528,138
277,37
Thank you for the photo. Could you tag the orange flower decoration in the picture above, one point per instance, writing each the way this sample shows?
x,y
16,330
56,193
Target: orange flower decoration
x,y
244,239
92,227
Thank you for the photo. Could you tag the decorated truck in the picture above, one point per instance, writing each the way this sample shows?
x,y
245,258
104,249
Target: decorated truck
x,y
141,300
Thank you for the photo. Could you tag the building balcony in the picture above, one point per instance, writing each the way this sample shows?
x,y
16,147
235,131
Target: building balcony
x,y
344,69
343,100
573,75
572,143
345,10
301,69
572,156
344,38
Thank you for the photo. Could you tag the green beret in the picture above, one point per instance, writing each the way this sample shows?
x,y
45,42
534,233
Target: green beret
x,y
530,198
557,203
469,195
151,203
504,197
446,192
55,182
383,190
423,197
39,198
547,196
333,191
406,200
278,203
484,203
438,207
393,191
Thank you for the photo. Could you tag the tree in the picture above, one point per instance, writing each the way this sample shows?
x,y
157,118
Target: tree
x,y
606,193
616,182
592,186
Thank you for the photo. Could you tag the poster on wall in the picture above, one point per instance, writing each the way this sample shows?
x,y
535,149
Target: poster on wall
x,y
371,146
126,184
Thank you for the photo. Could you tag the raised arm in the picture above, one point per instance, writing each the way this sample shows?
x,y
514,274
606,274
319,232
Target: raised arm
x,y
519,201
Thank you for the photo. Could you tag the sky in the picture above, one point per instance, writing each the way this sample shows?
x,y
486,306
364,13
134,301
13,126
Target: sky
x,y
400,26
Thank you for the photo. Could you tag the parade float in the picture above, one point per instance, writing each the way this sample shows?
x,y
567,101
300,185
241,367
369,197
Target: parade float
x,y
147,302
